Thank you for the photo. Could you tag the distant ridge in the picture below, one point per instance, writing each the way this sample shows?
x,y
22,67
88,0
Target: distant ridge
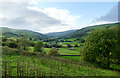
x,y
16,33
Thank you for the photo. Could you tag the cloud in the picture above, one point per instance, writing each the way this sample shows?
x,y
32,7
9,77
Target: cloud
x,y
110,17
22,15
17,14
61,14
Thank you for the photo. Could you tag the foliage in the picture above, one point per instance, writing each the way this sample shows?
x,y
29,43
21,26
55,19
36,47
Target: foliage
x,y
38,46
68,45
81,45
53,52
100,47
4,39
31,44
76,45
12,45
23,43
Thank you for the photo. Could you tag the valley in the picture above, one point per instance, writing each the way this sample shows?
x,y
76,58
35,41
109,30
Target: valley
x,y
28,53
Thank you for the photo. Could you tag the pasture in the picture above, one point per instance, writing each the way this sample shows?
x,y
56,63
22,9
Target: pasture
x,y
37,65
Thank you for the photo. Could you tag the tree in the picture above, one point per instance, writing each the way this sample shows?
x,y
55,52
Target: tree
x,y
76,45
23,43
53,52
12,45
30,38
81,40
68,45
31,43
38,47
100,47
4,39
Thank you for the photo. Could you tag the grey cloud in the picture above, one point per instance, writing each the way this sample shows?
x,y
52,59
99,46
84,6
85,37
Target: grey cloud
x,y
111,16
17,14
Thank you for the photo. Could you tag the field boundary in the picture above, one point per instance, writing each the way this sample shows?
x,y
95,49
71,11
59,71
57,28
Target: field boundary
x,y
69,55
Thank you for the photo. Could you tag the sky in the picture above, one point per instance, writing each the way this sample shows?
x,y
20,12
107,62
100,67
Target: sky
x,y
46,17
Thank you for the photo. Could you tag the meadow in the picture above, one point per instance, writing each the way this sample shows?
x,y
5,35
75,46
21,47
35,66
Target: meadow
x,y
37,65
15,63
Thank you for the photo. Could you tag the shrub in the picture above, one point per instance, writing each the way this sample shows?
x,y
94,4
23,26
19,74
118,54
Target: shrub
x,y
76,45
81,45
81,40
3,43
100,47
31,44
23,43
53,52
12,45
10,51
4,39
38,46
68,45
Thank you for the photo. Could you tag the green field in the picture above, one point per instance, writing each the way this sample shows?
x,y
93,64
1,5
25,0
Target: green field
x,y
37,65
66,51
63,51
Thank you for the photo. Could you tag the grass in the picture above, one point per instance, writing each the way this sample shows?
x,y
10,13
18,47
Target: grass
x,y
66,51
73,58
48,66
71,43
35,64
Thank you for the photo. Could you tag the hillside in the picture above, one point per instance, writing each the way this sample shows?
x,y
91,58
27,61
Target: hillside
x,y
85,31
60,34
16,33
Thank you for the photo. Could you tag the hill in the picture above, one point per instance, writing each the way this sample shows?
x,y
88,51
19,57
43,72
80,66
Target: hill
x,y
85,31
16,33
60,34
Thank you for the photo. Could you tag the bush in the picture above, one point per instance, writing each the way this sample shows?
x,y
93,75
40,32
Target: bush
x,y
68,45
31,44
53,52
81,40
100,47
38,46
81,45
10,51
76,45
23,43
3,43
4,39
12,45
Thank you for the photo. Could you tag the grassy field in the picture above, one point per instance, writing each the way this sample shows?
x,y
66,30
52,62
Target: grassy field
x,y
37,65
73,58
66,51
18,63
62,51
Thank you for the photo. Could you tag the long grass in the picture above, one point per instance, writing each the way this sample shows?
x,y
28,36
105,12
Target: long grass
x,y
37,64
20,65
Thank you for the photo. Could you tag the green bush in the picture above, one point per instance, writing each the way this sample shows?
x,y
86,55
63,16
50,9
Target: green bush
x,y
4,39
38,46
12,45
100,47
76,45
23,43
53,52
68,45
10,51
